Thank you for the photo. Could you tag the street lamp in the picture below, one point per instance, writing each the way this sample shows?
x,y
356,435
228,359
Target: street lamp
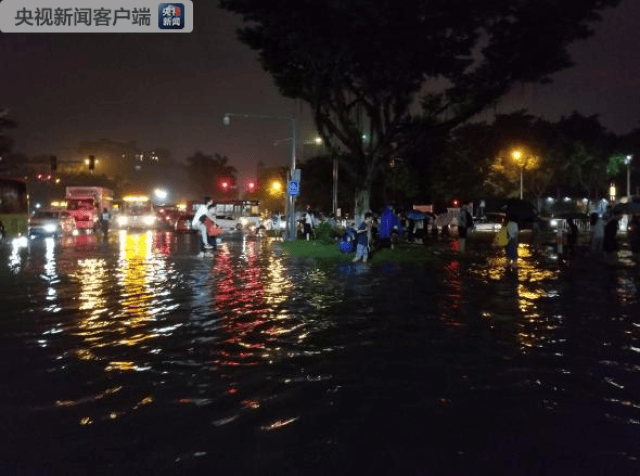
x,y
516,157
160,194
627,161
291,220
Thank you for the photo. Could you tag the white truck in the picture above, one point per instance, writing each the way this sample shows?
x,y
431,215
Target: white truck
x,y
86,203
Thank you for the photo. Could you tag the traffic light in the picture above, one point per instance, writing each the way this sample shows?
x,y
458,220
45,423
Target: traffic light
x,y
251,186
225,185
92,162
54,163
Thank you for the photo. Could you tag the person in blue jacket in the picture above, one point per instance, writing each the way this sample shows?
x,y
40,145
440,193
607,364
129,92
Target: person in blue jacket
x,y
364,238
390,228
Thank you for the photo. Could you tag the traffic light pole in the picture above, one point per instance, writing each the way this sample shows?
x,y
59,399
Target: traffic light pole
x,y
291,204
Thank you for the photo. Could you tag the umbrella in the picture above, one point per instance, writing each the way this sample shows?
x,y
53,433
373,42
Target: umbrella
x,y
573,216
524,212
629,208
415,215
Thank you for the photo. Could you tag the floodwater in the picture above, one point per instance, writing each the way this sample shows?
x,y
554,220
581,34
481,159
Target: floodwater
x,y
135,356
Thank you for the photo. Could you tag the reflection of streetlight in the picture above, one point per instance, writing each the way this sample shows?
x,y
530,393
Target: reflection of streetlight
x,y
627,161
226,120
516,157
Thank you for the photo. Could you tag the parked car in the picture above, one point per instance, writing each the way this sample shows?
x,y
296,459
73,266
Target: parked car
x,y
276,222
183,224
251,223
51,223
228,223
491,221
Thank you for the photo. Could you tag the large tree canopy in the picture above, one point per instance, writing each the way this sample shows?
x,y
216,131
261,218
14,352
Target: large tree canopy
x,y
362,64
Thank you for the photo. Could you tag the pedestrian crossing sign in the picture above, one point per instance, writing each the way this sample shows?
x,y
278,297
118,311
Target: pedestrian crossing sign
x,y
294,188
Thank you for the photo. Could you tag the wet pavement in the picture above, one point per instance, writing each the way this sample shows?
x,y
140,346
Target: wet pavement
x,y
136,356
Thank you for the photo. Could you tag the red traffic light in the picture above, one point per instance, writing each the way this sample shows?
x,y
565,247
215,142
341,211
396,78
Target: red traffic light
x,y
251,186
225,185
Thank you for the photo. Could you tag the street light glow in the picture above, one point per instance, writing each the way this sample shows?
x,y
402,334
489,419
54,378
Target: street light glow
x,y
516,156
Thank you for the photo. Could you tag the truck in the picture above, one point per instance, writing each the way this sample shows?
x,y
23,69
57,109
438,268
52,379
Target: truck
x,y
86,203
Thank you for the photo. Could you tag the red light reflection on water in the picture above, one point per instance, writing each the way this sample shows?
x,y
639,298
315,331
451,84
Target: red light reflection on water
x,y
162,242
239,295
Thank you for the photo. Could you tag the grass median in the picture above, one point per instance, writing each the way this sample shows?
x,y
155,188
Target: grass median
x,y
404,252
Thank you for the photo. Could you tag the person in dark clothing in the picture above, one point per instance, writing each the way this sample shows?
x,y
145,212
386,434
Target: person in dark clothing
x,y
105,218
572,237
634,235
610,244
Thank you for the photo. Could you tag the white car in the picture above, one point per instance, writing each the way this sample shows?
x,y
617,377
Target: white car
x,y
51,223
276,222
251,223
489,222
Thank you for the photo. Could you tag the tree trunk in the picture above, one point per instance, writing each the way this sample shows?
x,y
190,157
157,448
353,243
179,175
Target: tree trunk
x,y
362,204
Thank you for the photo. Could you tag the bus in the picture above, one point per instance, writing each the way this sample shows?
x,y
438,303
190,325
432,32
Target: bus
x,y
136,212
235,215
14,208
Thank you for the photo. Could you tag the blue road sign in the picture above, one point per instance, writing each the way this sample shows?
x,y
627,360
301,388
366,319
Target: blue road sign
x,y
294,188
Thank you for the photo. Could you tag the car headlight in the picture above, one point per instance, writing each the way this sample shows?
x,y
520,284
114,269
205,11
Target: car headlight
x,y
149,219
122,220
50,228
553,223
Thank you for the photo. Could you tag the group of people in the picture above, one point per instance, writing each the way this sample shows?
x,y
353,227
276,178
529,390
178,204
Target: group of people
x,y
605,230
603,241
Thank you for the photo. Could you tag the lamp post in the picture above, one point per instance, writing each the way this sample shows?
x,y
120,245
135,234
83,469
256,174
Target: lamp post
x,y
291,220
516,156
627,161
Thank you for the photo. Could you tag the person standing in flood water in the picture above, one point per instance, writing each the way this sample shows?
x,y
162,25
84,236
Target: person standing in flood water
x,y
512,245
597,223
610,243
572,238
364,238
465,221
633,234
105,219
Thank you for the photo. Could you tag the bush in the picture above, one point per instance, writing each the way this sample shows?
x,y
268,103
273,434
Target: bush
x,y
327,234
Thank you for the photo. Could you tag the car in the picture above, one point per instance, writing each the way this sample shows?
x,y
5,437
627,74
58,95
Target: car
x,y
183,224
251,223
228,223
491,221
276,222
51,223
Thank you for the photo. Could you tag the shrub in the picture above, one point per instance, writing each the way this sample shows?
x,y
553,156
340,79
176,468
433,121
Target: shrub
x,y
327,234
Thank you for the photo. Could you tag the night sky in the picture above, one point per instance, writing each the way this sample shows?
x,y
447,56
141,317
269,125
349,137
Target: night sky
x,y
171,90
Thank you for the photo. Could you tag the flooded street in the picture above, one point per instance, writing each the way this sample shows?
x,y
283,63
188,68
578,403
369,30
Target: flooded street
x,y
138,357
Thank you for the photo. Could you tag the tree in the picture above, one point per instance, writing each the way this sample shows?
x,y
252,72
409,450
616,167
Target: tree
x,y
587,145
208,174
361,64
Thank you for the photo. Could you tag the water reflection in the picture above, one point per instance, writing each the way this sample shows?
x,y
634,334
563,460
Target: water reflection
x,y
253,344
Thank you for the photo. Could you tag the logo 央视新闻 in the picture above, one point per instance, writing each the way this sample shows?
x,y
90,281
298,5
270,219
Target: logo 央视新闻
x,y
171,16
